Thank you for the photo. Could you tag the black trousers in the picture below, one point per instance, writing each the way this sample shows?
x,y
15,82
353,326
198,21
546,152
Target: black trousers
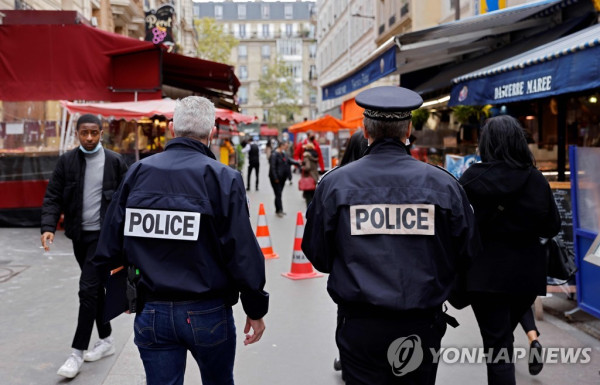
x,y
498,314
251,166
91,293
368,358
278,189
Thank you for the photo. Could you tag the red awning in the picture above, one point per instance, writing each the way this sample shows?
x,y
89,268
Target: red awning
x,y
43,56
147,109
266,131
198,75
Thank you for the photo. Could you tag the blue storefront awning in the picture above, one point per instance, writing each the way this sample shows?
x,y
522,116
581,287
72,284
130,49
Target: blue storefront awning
x,y
570,64
377,68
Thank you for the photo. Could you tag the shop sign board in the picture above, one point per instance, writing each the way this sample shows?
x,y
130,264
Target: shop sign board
x,y
379,67
159,25
565,74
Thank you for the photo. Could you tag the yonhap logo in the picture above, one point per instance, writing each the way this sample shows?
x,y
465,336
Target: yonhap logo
x,y
405,354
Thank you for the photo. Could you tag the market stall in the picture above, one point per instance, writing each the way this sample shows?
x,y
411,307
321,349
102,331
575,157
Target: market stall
x,y
331,135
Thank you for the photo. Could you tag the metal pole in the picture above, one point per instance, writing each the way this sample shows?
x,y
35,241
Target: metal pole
x,y
63,130
456,9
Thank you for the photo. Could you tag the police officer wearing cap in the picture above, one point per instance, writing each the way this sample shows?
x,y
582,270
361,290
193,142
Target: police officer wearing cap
x,y
181,219
392,232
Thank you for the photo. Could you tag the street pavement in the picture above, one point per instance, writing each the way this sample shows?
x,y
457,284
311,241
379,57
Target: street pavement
x,y
38,311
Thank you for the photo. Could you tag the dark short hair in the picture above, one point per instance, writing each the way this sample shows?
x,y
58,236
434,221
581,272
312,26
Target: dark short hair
x,y
378,129
503,139
88,118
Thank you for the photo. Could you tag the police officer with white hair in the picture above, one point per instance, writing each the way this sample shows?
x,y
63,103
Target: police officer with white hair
x,y
181,219
392,232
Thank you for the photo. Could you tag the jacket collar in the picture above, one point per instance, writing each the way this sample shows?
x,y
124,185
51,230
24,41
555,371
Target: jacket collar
x,y
191,144
387,145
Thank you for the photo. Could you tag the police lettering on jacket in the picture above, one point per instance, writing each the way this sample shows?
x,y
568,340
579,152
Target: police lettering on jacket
x,y
395,219
181,225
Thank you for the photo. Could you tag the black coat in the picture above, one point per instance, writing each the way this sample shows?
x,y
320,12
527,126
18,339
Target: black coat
x,y
225,260
64,193
513,209
392,267
280,163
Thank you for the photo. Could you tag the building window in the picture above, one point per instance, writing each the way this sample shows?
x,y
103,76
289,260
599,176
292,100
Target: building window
x,y
312,50
266,30
265,11
289,46
243,95
265,115
243,72
288,11
312,72
266,51
218,12
242,51
265,69
242,28
241,11
289,30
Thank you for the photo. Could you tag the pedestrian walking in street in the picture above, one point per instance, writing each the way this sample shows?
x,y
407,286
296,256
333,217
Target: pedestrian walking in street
x,y
181,220
253,152
357,145
392,232
309,172
514,207
81,187
299,150
279,173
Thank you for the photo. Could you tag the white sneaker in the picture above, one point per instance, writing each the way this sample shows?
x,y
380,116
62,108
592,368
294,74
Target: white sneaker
x,y
71,366
100,350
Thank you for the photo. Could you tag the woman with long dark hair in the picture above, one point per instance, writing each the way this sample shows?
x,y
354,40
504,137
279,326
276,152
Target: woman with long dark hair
x,y
514,207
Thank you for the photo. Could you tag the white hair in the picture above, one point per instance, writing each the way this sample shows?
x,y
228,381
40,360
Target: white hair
x,y
194,116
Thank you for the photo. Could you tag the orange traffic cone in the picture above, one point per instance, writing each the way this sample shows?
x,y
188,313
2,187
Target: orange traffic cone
x,y
262,235
301,267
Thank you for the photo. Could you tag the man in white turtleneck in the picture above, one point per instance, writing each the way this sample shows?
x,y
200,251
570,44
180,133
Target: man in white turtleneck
x,y
81,187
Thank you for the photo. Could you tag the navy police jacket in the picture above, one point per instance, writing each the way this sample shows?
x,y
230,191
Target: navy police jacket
x,y
392,231
182,219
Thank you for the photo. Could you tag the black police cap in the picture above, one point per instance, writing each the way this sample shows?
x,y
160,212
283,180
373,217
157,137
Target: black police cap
x,y
388,102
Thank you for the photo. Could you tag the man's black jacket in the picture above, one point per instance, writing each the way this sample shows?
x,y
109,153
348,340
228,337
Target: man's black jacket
x,y
64,193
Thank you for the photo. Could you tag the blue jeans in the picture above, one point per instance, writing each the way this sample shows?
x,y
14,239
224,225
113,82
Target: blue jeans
x,y
165,331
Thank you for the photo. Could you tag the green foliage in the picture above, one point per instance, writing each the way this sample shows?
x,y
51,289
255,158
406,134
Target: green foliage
x,y
469,114
419,118
276,91
213,43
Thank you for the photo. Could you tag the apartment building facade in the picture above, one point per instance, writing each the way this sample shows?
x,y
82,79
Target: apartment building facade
x,y
267,30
